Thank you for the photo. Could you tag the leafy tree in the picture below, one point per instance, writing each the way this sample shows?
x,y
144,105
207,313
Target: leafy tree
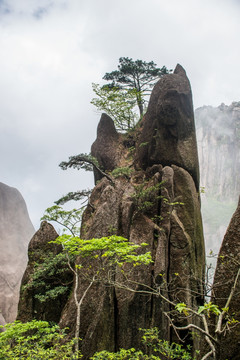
x,y
69,219
118,103
35,340
199,319
83,161
137,75
155,346
98,260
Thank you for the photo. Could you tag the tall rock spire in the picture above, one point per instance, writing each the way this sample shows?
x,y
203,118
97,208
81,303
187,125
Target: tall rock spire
x,y
162,162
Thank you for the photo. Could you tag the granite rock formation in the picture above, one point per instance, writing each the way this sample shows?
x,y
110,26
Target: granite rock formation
x,y
157,202
16,231
168,135
43,257
227,268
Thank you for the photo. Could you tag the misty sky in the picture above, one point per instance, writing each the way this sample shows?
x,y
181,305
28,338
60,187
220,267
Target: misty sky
x,y
52,51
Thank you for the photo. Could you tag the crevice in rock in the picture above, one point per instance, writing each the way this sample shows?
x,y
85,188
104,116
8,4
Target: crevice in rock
x,y
116,325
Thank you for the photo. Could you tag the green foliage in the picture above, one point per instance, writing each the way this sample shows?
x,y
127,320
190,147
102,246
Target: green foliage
x,y
35,340
116,249
69,219
122,171
182,308
156,348
151,339
123,354
81,161
135,74
73,195
146,196
209,308
50,278
118,103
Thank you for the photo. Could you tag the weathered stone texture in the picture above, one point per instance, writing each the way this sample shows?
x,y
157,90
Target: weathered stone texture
x,y
168,135
145,207
38,251
226,272
167,163
16,231
105,148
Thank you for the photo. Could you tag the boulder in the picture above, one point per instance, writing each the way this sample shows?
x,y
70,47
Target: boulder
x,y
16,231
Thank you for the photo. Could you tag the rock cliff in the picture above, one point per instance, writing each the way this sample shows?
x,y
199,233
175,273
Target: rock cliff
x,y
156,200
228,266
46,281
16,231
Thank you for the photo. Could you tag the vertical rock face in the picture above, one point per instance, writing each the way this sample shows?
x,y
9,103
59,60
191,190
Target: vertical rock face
x,y
16,231
168,136
227,268
157,202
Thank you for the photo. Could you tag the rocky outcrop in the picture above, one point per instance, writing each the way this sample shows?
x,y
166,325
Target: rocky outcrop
x,y
168,135
227,269
47,279
16,231
105,149
156,202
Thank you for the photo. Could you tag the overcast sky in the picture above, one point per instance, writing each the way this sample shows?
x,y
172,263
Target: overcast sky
x,y
52,51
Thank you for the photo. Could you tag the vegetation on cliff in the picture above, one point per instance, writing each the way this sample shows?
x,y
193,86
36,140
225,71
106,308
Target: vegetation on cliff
x,y
147,191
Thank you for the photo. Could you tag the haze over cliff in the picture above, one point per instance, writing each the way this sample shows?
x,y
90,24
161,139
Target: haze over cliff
x,y
218,136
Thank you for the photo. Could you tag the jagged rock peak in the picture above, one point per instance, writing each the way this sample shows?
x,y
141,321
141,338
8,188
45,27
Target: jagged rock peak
x,y
105,147
42,237
180,70
106,127
168,129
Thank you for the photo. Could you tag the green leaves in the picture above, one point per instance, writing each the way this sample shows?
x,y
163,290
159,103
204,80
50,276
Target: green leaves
x,y
118,103
115,248
35,340
209,308
69,219
81,161
156,346
137,75
182,308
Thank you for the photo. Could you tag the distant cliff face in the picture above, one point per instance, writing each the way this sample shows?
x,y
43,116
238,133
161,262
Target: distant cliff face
x,y
16,231
218,134
162,156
